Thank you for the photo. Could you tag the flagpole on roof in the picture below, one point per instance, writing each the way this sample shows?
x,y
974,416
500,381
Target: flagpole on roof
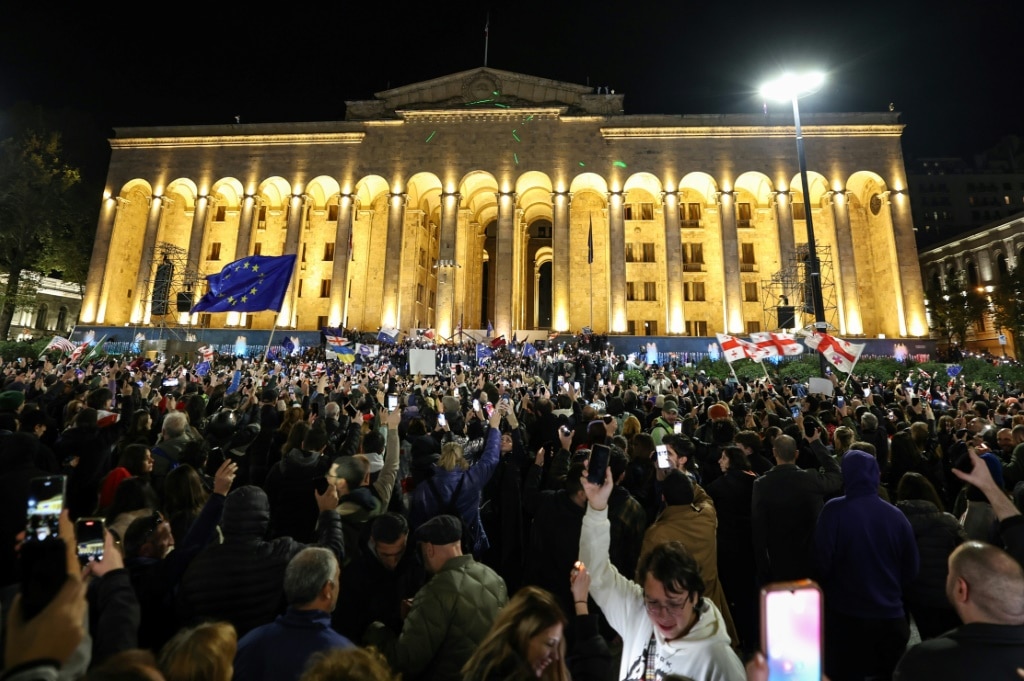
x,y
487,36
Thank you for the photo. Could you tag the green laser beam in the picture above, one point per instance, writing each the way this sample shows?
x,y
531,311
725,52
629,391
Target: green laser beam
x,y
619,164
515,157
431,136
515,136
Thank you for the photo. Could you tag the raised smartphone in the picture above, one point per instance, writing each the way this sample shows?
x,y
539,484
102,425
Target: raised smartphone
x,y
662,452
442,420
89,538
43,556
792,630
598,463
392,402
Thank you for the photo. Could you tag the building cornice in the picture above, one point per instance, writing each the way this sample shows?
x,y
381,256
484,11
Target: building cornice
x,y
670,132
237,140
480,115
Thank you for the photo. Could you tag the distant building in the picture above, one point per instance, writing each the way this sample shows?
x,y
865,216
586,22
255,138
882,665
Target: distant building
x,y
494,197
54,311
984,255
951,196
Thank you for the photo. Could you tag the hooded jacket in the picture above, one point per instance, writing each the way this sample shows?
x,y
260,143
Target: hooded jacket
x,y
242,579
290,488
703,654
865,547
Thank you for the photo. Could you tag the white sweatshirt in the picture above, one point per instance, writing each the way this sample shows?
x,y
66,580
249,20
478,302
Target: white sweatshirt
x,y
704,654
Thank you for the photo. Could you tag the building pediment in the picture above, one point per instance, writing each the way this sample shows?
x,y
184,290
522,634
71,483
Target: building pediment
x,y
485,88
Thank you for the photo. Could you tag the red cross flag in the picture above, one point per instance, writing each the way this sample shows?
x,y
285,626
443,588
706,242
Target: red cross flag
x,y
734,348
841,354
777,344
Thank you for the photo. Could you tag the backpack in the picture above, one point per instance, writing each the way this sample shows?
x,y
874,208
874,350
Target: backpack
x,y
450,507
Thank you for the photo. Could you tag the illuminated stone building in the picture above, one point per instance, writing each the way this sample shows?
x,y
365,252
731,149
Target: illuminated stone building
x,y
533,204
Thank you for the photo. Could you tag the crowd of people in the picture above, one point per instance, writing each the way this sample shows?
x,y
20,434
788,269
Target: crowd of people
x,y
312,519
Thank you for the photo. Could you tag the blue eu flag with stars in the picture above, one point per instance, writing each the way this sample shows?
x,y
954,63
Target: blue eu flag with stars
x,y
251,284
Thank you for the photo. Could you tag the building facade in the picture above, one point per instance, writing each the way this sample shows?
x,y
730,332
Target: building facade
x,y
978,259
52,310
495,197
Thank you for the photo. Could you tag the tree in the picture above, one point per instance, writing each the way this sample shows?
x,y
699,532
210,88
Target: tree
x,y
42,213
954,307
1008,306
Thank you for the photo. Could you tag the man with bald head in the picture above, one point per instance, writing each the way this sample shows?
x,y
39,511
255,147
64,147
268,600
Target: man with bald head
x,y
784,509
986,588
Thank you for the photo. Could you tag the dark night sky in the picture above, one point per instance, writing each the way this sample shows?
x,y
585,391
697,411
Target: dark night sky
x,y
950,68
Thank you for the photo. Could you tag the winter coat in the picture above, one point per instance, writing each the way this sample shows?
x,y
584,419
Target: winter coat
x,y
291,485
242,579
937,534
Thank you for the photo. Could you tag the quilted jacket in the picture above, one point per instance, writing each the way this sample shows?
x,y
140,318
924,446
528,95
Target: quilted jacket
x,y
449,617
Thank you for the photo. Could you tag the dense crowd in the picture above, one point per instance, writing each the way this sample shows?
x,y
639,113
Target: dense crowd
x,y
315,519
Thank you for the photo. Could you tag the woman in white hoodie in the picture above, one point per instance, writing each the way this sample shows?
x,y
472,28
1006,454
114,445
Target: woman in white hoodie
x,y
666,624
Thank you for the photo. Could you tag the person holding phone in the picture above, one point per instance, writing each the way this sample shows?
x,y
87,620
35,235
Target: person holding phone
x,y
666,624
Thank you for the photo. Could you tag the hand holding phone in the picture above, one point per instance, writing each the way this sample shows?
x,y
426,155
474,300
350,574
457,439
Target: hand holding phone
x,y
44,555
442,420
662,453
90,538
598,464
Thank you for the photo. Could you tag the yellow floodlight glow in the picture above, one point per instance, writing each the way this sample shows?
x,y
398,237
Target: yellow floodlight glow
x,y
790,86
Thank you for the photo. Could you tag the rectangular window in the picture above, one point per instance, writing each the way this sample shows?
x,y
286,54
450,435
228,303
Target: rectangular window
x,y
693,291
298,289
651,327
261,220
220,214
695,327
630,255
630,327
419,293
743,215
204,320
329,252
321,322
646,211
332,215
544,232
257,248
627,211
303,252
748,260
325,288
214,251
650,290
689,215
693,257
750,291
753,327
799,213
630,290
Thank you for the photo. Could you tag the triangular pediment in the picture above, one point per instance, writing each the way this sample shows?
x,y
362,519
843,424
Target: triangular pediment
x,y
485,87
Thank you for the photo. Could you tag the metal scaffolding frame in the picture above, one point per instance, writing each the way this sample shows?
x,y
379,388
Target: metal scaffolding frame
x,y
180,281
790,287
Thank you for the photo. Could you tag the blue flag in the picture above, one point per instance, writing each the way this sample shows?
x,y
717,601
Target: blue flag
x,y
202,368
288,346
529,350
483,353
490,328
251,284
387,335
236,381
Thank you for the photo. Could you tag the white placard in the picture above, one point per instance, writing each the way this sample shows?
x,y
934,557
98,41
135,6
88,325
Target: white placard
x,y
422,362
820,386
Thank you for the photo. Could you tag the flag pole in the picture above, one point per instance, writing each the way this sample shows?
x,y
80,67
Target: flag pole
x,y
590,266
266,355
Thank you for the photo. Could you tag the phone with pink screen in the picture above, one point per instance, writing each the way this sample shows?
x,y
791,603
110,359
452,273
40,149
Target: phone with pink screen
x,y
791,630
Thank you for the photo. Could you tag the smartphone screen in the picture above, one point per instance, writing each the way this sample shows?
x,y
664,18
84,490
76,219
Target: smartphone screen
x,y
622,376
795,410
840,401
476,405
677,427
442,420
791,626
575,385
662,451
89,539
45,502
488,409
598,463
392,402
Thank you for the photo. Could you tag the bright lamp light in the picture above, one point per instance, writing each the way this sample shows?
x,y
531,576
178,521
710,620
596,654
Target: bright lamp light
x,y
790,86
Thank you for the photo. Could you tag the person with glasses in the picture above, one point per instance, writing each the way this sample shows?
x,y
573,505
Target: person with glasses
x,y
666,624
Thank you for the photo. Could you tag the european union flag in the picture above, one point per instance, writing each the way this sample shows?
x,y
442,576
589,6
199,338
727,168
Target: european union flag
x,y
529,350
483,353
251,284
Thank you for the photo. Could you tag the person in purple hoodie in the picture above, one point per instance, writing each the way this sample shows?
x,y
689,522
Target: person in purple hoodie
x,y
866,555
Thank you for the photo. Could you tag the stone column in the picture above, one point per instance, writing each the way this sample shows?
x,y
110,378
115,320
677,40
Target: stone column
x,y
198,236
908,293
560,298
503,265
616,323
675,320
96,285
784,220
731,298
342,257
447,265
296,208
245,220
850,320
393,260
140,306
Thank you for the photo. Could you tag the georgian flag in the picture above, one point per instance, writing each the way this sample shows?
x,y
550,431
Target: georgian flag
x,y
734,348
207,352
841,354
777,344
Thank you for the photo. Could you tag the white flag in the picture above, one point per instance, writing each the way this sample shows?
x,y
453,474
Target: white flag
x,y
735,348
777,343
841,354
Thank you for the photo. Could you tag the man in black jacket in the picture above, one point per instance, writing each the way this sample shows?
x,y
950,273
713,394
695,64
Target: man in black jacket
x,y
986,587
241,580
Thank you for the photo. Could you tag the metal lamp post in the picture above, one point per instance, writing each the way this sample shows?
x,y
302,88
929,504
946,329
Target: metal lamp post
x,y
791,87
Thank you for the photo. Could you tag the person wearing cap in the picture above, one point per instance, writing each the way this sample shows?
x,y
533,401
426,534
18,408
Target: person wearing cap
x,y
666,423
450,615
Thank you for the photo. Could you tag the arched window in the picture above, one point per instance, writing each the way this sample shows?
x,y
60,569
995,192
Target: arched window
x,y
972,274
62,319
1001,266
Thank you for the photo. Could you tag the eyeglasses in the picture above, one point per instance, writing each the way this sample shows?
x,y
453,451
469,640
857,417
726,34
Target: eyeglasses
x,y
674,609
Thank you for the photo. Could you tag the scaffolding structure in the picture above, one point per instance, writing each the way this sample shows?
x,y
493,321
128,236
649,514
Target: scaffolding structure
x,y
169,278
790,288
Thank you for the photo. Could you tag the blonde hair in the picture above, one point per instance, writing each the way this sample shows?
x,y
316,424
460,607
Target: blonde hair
x,y
205,652
843,438
452,457
348,664
531,611
631,426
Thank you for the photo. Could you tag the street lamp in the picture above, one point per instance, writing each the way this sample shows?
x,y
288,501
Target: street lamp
x,y
790,87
